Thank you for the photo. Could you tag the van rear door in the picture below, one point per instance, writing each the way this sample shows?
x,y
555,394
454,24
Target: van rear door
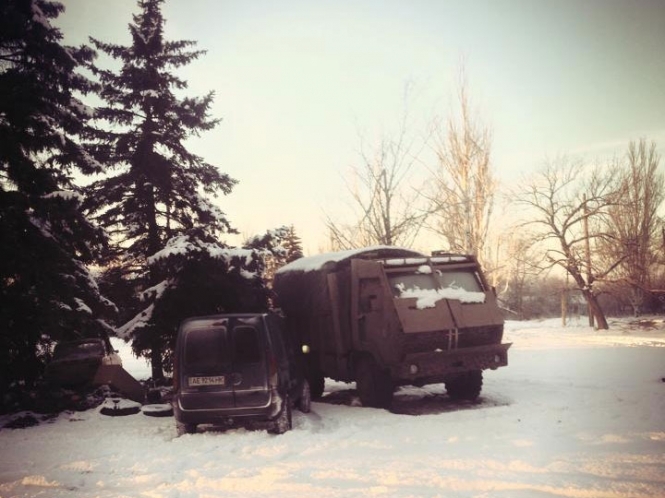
x,y
225,364
250,368
208,367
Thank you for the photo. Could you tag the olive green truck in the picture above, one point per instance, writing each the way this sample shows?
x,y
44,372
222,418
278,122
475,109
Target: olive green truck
x,y
385,316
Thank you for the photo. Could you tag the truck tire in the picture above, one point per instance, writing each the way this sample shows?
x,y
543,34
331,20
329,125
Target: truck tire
x,y
374,385
465,386
305,400
316,379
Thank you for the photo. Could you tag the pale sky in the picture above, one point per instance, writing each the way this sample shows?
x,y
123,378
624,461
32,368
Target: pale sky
x,y
296,82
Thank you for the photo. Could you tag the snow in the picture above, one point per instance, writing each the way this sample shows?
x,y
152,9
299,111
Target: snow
x,y
138,367
449,259
83,109
150,93
139,321
578,413
39,17
157,291
67,195
81,306
314,263
424,269
183,245
119,404
427,298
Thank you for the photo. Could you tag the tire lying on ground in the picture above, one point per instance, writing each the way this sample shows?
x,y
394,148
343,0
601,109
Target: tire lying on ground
x,y
119,407
158,410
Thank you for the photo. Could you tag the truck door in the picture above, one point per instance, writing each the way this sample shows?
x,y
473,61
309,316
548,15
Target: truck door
x,y
371,326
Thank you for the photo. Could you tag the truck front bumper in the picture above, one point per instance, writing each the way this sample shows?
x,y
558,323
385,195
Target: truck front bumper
x,y
435,366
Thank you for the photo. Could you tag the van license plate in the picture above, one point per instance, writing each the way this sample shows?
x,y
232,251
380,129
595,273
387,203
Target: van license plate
x,y
217,380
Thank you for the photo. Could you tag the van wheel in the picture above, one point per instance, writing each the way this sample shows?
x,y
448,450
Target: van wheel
x,y
374,385
305,401
283,422
185,428
465,386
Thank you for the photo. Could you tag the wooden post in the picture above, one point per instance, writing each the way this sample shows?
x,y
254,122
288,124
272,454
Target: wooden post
x,y
564,306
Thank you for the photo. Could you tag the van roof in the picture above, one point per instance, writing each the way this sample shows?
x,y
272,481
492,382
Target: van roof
x,y
223,316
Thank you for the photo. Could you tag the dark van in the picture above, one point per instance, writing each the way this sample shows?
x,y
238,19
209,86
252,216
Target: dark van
x,y
237,369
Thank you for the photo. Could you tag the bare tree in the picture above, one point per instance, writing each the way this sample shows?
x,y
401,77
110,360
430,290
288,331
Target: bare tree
x,y
384,201
516,265
634,223
565,198
463,191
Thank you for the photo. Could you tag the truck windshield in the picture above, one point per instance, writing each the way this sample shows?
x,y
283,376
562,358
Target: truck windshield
x,y
418,281
458,280
411,281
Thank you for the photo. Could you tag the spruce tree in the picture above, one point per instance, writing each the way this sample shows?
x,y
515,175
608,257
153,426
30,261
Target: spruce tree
x,y
293,245
46,290
156,203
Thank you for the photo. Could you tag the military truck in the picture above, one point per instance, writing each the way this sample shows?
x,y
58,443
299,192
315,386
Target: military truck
x,y
385,316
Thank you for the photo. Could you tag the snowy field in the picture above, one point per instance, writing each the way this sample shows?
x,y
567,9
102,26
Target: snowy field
x,y
577,413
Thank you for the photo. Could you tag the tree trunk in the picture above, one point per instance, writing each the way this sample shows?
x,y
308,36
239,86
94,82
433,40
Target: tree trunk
x,y
596,310
156,364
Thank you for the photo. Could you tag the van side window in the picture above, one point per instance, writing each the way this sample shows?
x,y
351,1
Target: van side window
x,y
206,346
246,345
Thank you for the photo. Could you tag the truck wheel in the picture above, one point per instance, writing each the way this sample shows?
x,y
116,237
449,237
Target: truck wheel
x,y
465,386
315,379
283,421
374,385
316,385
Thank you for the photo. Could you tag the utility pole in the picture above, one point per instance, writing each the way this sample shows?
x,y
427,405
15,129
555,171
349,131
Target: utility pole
x,y
564,303
587,245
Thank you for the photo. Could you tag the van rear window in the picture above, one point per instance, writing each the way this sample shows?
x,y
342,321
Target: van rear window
x,y
207,346
246,341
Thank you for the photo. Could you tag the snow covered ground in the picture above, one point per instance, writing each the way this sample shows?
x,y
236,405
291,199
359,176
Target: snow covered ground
x,y
577,413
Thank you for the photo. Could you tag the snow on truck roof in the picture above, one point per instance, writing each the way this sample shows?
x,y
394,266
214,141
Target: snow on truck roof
x,y
317,262
392,255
